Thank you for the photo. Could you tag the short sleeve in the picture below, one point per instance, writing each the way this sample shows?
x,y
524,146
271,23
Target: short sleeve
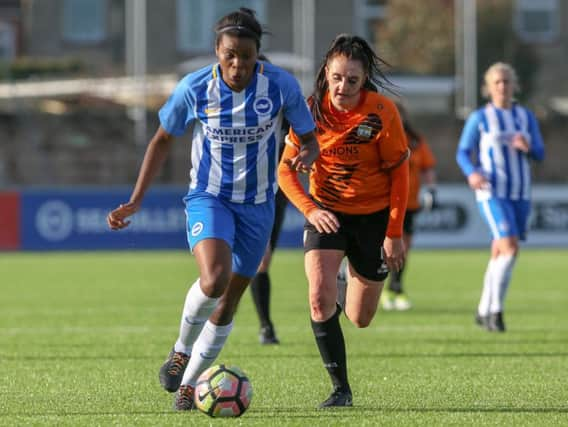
x,y
178,112
296,109
469,143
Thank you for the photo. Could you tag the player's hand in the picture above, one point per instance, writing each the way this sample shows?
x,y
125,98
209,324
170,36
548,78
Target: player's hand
x,y
297,164
116,219
324,221
303,162
394,253
429,199
520,143
477,181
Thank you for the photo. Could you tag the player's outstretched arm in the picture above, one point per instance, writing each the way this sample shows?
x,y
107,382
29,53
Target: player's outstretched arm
x,y
156,153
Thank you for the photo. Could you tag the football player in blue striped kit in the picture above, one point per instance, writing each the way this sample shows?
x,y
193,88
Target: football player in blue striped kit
x,y
234,110
496,146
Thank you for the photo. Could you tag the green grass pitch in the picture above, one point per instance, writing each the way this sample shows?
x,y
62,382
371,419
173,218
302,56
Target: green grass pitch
x,y
82,336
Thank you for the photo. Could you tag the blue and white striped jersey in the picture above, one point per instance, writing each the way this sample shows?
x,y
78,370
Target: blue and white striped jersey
x,y
235,135
485,147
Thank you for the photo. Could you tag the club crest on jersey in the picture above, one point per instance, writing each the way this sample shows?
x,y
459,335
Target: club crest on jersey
x,y
364,131
262,106
196,229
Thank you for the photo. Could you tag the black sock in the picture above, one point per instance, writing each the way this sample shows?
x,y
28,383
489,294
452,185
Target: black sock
x,y
395,284
331,345
260,289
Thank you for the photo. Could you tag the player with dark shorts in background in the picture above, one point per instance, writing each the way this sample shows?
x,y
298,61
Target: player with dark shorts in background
x,y
261,285
422,176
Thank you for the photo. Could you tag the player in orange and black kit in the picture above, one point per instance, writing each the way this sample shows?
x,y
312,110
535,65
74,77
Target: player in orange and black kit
x,y
358,196
422,173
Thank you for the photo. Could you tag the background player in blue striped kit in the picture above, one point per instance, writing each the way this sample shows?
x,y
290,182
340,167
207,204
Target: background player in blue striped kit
x,y
495,147
234,110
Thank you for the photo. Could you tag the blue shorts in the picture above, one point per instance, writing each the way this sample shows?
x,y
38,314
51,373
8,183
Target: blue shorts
x,y
506,218
245,227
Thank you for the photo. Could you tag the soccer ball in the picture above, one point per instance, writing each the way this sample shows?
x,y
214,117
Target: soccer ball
x,y
223,391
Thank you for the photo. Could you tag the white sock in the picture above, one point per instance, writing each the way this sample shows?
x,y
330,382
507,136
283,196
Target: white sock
x,y
500,280
205,351
196,310
485,301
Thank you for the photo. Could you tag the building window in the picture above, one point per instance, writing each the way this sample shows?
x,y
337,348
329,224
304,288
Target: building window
x,y
537,21
7,42
196,19
368,16
84,21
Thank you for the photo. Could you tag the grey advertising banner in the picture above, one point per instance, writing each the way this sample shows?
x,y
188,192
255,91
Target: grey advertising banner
x,y
456,222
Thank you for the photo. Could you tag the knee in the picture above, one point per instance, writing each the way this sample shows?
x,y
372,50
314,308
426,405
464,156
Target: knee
x,y
360,318
321,308
361,324
508,246
360,321
214,281
317,311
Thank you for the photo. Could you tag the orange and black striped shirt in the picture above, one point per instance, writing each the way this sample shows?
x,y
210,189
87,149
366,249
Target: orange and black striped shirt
x,y
362,166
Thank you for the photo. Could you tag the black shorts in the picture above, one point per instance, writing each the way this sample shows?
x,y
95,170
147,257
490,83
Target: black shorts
x,y
361,237
408,225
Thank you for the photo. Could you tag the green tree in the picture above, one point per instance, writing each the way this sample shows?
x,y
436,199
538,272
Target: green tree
x,y
497,41
417,37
